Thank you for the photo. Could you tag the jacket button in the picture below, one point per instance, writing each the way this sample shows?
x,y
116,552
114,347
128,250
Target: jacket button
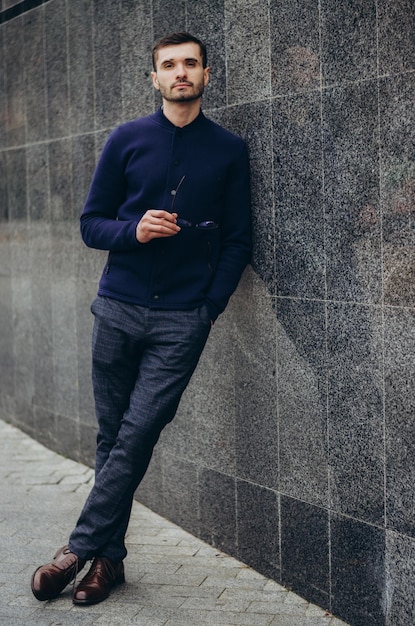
x,y
156,297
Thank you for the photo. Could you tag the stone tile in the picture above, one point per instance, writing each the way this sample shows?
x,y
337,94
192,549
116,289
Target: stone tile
x,y
253,122
256,433
168,16
107,54
295,32
399,561
397,135
217,509
3,96
349,38
15,113
206,20
298,179
399,409
57,88
351,193
258,533
247,44
302,400
80,72
396,51
355,406
305,552
180,483
37,160
357,571
136,42
35,76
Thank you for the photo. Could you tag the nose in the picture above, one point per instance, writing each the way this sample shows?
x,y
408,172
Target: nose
x,y
181,70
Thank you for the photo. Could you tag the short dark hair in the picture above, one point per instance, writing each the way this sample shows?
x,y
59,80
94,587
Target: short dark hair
x,y
174,39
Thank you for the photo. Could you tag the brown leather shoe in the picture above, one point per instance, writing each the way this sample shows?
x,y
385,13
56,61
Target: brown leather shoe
x,y
49,580
103,576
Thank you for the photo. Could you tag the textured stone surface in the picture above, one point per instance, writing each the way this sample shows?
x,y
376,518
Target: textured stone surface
x,y
293,447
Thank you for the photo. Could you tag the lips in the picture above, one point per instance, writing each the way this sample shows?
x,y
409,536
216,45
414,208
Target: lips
x,y
182,85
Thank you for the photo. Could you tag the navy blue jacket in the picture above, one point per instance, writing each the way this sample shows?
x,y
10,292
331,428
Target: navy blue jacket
x,y
142,162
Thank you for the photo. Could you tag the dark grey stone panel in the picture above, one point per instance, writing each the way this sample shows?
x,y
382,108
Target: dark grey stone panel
x,y
397,119
16,187
81,77
7,389
180,490
396,36
298,183
400,410
355,405
258,528
107,51
65,357
63,226
3,91
256,425
253,122
357,571
150,492
15,114
349,40
168,16
217,507
247,48
295,46
23,351
206,20
302,400
89,263
305,550
351,199
85,294
136,43
57,69
83,165
4,202
45,427
181,437
35,76
399,578
60,156
37,156
67,436
215,419
87,446
44,396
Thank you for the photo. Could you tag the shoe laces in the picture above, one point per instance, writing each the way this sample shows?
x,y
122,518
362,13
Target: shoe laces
x,y
74,581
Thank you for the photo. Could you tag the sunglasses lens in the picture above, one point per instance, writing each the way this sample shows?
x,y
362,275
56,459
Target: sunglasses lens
x,y
183,223
208,224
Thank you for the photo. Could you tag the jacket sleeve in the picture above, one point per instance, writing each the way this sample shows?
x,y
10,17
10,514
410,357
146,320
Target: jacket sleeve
x,y
236,240
100,226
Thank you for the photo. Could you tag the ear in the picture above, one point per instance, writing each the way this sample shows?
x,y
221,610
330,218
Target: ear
x,y
206,74
155,80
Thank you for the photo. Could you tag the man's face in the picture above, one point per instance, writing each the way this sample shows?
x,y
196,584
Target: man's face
x,y
179,75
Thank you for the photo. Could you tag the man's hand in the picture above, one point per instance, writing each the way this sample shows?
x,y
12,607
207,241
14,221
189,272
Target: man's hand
x,y
156,223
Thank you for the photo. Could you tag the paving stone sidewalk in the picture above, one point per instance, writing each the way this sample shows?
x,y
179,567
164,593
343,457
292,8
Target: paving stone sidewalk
x,y
173,579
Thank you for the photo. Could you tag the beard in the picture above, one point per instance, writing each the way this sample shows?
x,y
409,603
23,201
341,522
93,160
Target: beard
x,y
187,95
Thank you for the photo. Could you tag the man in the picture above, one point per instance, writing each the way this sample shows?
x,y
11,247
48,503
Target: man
x,y
170,201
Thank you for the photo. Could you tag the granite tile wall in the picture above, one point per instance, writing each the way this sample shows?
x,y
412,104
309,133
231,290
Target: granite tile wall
x,y
293,448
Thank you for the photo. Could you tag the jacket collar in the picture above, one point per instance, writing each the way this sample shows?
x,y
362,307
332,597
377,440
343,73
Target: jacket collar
x,y
162,120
